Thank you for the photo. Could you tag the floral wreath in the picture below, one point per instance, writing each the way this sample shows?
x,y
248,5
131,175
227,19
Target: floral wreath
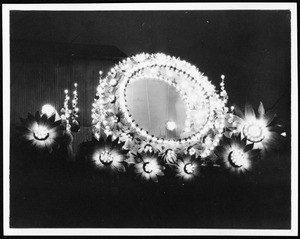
x,y
110,113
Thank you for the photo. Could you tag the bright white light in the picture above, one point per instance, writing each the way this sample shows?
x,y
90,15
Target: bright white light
x,y
283,134
189,168
222,77
237,157
149,167
106,157
41,133
49,110
171,125
254,130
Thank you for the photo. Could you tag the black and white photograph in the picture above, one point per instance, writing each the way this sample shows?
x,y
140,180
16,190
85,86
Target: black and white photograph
x,y
150,119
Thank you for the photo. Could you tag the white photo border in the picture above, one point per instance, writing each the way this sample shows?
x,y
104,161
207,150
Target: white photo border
x,y
6,8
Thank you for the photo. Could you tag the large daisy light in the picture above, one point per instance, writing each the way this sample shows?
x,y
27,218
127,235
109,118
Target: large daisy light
x,y
41,132
257,129
237,156
107,155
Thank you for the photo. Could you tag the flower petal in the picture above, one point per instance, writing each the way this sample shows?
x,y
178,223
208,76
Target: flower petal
x,y
238,111
268,117
261,110
154,178
249,112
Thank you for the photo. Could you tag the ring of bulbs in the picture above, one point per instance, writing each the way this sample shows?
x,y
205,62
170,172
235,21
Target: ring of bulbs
x,y
199,95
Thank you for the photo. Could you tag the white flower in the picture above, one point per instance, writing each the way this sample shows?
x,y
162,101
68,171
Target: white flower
x,y
41,132
187,168
257,130
148,167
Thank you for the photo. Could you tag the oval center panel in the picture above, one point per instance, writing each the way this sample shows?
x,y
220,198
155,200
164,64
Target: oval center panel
x,y
157,107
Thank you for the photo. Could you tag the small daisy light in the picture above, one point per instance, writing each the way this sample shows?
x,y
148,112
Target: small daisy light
x,y
148,167
187,168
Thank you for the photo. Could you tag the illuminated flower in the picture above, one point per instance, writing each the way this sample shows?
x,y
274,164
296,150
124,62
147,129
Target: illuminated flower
x,y
187,168
41,132
169,156
107,155
147,167
116,121
257,130
237,156
130,139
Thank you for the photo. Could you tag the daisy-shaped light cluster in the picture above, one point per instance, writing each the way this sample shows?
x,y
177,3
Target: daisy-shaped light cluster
x,y
41,132
187,168
237,156
148,167
108,155
259,129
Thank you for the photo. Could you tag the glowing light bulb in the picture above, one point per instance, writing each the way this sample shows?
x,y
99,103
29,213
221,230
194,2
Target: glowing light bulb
x,y
106,158
237,158
189,168
148,167
253,132
148,148
49,110
41,133
171,125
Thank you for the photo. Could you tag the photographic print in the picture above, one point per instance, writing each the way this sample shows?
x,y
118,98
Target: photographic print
x,y
153,119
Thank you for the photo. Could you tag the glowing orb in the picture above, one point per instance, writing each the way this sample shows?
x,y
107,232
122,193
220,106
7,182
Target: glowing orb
x,y
105,158
253,132
171,125
148,167
49,110
237,158
189,168
41,133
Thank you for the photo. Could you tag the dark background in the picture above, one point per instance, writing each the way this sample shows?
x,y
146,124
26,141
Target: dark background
x,y
51,50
